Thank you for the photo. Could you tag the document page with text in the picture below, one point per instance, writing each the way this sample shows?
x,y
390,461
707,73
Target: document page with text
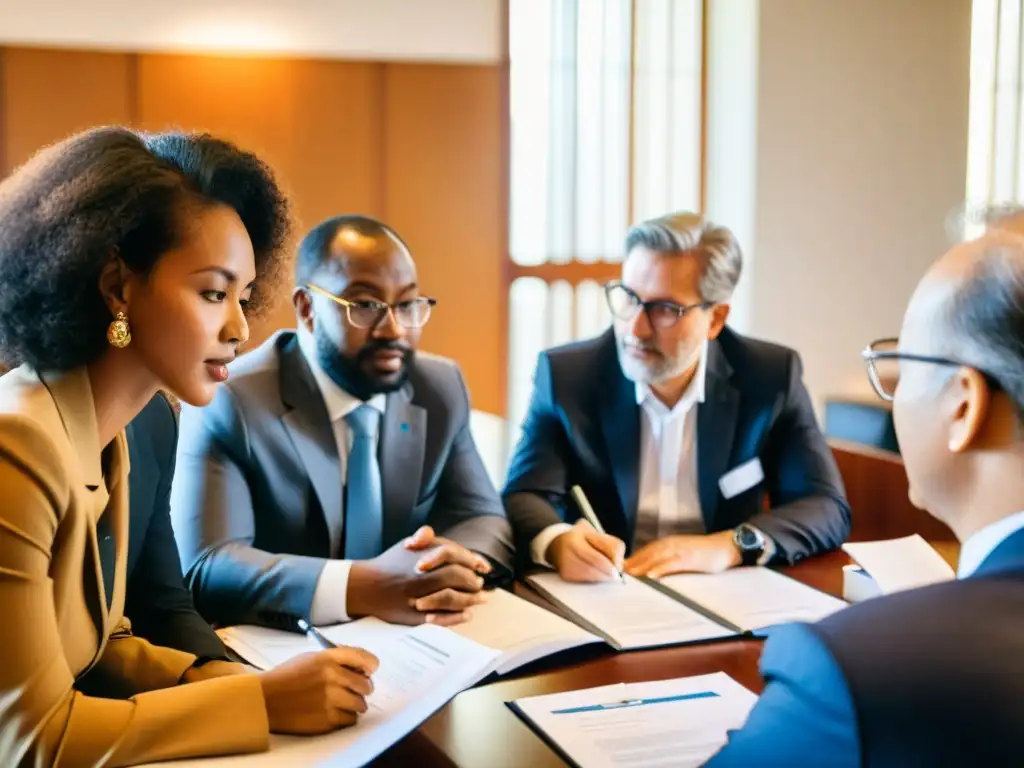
x,y
670,723
421,669
754,598
522,631
629,615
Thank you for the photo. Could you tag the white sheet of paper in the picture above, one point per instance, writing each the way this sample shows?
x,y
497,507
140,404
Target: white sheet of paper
x,y
629,615
676,723
754,598
266,648
898,564
522,631
421,669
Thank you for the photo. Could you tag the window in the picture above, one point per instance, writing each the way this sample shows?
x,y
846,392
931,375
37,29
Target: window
x,y
995,147
606,130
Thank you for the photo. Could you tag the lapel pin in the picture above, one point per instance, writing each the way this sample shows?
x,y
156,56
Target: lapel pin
x,y
405,426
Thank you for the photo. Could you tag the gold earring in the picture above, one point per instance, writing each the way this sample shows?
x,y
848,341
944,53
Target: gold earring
x,y
118,333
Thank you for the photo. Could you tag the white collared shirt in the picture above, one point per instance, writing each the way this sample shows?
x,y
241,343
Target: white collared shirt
x,y
669,500
983,543
331,595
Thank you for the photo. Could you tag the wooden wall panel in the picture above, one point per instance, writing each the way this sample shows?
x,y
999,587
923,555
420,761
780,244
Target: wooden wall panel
x,y
420,146
876,487
443,194
48,94
316,122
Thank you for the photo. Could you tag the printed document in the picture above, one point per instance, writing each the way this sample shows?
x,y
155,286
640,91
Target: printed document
x,y
680,722
628,615
752,599
521,631
421,669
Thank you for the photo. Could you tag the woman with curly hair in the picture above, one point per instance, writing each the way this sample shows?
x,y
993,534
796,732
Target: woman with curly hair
x,y
128,263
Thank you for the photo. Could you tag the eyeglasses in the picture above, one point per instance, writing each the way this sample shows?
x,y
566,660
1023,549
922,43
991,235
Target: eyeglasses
x,y
412,313
883,358
625,305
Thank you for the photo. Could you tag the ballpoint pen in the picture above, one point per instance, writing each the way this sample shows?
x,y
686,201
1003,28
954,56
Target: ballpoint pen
x,y
314,633
591,517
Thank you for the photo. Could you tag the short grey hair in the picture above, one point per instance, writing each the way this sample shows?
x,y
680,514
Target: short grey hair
x,y
965,220
983,322
687,233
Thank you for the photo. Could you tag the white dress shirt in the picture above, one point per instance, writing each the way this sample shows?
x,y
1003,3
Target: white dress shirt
x,y
330,597
980,545
669,502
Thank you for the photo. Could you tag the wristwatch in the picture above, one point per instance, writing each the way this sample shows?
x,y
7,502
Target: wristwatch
x,y
749,541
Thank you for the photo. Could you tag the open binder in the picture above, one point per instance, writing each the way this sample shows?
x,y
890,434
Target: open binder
x,y
685,608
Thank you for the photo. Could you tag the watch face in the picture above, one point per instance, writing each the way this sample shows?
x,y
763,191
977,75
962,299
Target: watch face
x,y
748,539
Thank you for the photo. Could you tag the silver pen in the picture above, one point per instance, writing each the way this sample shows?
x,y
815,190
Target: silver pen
x,y
312,632
589,515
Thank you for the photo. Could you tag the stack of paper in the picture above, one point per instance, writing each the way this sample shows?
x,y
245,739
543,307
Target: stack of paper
x,y
898,564
680,722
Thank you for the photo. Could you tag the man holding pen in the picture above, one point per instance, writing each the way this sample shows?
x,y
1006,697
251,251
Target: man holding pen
x,y
697,447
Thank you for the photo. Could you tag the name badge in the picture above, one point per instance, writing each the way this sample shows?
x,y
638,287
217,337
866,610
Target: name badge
x,y
741,478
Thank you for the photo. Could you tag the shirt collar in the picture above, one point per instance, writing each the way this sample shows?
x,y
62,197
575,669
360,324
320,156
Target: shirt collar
x,y
339,402
982,543
693,394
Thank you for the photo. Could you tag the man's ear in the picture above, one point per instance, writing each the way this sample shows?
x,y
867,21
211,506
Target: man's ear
x,y
114,285
719,314
304,310
969,403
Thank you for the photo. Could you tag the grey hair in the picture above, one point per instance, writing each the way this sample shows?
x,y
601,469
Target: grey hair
x,y
983,322
985,217
687,233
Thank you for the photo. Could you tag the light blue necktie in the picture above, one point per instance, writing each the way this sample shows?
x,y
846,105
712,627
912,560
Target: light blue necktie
x,y
364,516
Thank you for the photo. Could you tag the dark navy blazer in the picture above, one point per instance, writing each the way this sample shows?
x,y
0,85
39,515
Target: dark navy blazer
x,y
583,427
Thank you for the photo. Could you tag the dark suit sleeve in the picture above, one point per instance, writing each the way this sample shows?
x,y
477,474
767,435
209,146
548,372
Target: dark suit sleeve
x,y
805,717
212,509
468,509
809,511
538,477
157,602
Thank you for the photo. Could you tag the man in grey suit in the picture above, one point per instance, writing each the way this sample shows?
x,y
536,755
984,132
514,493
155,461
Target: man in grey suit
x,y
312,485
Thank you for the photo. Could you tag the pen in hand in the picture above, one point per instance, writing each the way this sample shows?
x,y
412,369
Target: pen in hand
x,y
312,632
589,515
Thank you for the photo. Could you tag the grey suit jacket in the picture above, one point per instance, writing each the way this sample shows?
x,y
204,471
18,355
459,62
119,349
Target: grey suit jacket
x,y
257,495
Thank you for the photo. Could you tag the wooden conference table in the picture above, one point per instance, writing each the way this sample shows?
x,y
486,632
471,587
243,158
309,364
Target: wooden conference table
x,y
478,730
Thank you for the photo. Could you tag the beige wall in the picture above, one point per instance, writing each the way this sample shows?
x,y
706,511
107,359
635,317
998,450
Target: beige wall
x,y
855,156
466,31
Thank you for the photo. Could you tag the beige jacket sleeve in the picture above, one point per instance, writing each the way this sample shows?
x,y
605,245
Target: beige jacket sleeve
x,y
43,720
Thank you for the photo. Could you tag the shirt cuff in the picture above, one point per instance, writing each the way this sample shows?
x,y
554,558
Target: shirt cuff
x,y
541,542
769,547
330,598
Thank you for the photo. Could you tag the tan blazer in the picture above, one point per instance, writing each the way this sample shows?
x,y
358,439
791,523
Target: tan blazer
x,y
53,607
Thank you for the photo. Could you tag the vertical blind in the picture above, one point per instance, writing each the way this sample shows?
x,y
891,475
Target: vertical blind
x,y
995,153
605,105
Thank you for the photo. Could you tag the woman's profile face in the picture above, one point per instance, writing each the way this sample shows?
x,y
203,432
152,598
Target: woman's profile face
x,y
186,317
